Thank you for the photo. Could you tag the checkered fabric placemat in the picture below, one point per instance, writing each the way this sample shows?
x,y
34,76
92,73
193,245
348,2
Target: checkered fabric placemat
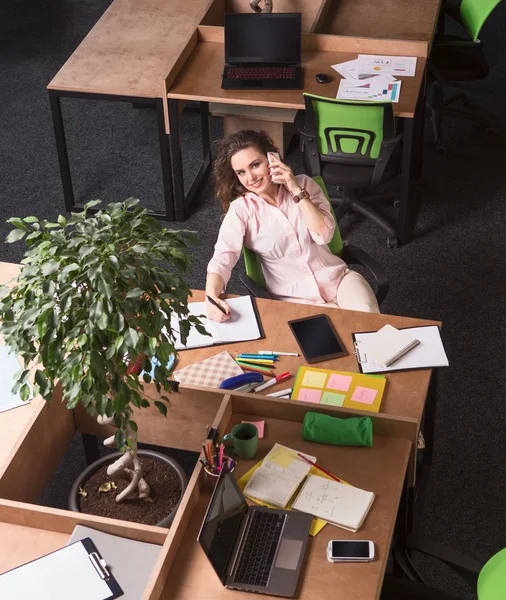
x,y
209,372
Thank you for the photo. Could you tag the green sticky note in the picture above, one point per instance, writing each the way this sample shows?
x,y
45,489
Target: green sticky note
x,y
333,399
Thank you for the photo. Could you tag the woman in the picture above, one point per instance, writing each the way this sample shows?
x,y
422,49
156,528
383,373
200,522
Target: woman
x,y
288,224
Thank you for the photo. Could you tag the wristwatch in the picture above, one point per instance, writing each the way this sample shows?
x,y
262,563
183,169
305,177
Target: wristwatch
x,y
302,195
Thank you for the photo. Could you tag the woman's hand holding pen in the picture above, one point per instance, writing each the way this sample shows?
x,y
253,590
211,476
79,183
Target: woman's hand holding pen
x,y
217,309
283,173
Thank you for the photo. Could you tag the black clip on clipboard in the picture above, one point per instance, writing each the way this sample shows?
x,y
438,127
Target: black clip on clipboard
x,y
35,579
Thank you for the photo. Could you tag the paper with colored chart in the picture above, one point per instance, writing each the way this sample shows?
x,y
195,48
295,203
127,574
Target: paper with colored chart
x,y
339,388
370,91
349,70
397,66
316,524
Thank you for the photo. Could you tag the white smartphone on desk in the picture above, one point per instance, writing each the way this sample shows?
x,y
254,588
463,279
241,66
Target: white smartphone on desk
x,y
269,159
350,551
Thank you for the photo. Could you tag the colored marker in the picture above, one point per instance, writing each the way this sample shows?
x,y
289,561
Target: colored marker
x,y
278,353
277,379
247,364
263,371
258,356
281,393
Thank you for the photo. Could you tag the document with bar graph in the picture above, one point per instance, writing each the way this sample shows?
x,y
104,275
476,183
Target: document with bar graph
x,y
375,90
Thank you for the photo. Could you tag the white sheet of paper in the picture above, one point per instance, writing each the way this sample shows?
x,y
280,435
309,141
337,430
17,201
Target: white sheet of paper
x,y
65,574
370,91
397,66
242,326
9,366
349,70
428,353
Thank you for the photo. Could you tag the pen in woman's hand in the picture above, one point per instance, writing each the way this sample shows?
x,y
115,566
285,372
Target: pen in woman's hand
x,y
214,303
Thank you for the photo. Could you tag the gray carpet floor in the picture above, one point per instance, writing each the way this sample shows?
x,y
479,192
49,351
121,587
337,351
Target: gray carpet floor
x,y
453,269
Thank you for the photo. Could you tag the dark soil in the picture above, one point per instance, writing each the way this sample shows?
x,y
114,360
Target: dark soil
x,y
165,493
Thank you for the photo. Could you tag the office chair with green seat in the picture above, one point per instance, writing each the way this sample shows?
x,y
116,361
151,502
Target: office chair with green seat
x,y
254,279
352,145
489,580
458,59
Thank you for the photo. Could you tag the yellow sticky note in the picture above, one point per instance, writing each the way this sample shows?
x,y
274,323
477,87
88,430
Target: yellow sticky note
x,y
314,379
283,457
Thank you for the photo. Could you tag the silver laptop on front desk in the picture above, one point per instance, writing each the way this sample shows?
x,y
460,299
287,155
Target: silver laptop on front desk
x,y
251,548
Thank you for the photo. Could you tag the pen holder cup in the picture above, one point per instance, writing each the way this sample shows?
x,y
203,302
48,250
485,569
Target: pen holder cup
x,y
226,460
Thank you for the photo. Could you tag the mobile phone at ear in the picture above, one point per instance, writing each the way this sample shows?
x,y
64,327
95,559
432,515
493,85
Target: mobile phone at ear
x,y
350,551
269,159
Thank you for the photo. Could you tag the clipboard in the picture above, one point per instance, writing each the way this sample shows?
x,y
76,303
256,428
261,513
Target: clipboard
x,y
75,571
420,357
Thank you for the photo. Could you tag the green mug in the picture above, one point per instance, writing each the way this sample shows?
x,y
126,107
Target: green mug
x,y
245,439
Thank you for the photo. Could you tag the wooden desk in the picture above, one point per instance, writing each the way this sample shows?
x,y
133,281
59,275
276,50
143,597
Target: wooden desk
x,y
200,80
191,575
136,45
181,571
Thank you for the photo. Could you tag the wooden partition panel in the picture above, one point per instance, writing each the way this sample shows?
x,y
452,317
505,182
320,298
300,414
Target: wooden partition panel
x,y
37,452
189,412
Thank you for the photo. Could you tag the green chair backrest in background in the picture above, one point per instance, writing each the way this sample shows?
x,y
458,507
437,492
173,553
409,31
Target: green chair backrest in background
x,y
252,261
345,127
492,578
474,13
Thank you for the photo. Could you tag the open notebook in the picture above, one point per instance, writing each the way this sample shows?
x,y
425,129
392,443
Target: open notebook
x,y
279,476
244,325
339,504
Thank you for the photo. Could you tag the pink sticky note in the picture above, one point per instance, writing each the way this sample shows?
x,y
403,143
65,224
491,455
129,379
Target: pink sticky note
x,y
364,395
259,425
339,382
308,395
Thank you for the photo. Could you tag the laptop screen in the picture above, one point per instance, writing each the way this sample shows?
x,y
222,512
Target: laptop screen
x,y
222,522
269,38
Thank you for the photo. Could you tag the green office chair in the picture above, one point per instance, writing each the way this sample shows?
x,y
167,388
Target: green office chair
x,y
489,580
352,145
254,279
456,59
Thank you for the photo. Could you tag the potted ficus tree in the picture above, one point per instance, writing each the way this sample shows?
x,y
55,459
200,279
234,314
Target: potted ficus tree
x,y
95,296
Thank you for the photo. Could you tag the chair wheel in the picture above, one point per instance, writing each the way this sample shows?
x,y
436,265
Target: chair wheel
x,y
397,204
441,150
392,242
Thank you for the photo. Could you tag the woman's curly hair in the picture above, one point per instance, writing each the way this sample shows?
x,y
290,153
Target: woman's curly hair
x,y
226,182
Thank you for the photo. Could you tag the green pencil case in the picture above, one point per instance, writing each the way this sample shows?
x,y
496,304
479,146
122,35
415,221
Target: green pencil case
x,y
355,431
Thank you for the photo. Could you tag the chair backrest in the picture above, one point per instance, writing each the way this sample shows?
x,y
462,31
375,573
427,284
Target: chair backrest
x,y
492,578
474,13
348,131
252,262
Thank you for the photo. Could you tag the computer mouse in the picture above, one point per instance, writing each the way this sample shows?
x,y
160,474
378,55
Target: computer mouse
x,y
322,78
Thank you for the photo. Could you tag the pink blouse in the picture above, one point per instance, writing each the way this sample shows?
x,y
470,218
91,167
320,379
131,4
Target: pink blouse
x,y
297,263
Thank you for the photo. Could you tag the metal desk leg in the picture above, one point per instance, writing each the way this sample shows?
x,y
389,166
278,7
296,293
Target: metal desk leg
x,y
165,159
61,148
183,203
411,166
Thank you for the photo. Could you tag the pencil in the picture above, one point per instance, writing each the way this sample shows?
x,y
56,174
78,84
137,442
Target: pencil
x,y
318,467
263,371
253,365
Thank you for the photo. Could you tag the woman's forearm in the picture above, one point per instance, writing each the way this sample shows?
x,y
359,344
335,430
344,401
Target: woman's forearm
x,y
215,285
313,216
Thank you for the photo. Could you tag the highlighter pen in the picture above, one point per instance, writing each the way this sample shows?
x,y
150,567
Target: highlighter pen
x,y
258,356
277,379
260,361
278,353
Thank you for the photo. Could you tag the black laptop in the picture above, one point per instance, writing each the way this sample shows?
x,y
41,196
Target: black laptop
x,y
252,548
262,51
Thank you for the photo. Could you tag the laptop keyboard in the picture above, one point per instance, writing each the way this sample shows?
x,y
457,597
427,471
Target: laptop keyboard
x,y
259,548
261,72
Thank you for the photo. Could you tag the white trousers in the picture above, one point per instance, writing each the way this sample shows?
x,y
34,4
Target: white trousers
x,y
354,293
